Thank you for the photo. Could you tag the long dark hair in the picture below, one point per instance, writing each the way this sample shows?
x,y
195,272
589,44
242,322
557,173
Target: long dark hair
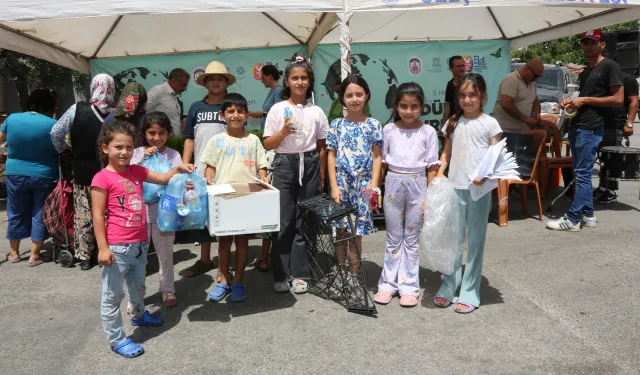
x,y
479,86
298,62
107,134
150,118
410,89
356,80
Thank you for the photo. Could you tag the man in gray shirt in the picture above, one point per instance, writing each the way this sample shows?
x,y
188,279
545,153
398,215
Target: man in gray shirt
x,y
517,107
163,98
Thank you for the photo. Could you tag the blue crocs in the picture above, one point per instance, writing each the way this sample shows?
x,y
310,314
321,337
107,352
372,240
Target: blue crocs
x,y
128,349
219,292
237,293
147,320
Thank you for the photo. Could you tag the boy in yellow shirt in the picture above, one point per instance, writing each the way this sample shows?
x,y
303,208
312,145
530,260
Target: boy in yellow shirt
x,y
232,157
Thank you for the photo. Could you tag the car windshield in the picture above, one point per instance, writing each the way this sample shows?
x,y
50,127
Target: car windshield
x,y
549,79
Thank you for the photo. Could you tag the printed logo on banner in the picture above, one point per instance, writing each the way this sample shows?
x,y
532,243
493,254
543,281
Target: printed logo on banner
x,y
468,63
479,64
390,3
196,73
436,65
257,71
415,66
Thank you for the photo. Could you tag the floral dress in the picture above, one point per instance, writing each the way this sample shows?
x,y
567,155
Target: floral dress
x,y
353,144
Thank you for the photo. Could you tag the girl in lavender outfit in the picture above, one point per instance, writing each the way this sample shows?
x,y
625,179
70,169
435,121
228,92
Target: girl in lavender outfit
x,y
155,129
410,153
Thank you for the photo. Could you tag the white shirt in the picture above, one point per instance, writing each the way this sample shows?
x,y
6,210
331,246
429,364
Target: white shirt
x,y
162,98
316,126
471,140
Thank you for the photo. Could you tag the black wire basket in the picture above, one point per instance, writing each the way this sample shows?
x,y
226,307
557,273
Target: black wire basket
x,y
334,254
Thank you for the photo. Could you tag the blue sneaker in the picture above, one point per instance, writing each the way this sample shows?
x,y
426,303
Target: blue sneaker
x,y
220,291
147,320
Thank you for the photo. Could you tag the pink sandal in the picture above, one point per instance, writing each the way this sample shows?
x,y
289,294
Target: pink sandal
x,y
408,301
383,298
444,304
465,310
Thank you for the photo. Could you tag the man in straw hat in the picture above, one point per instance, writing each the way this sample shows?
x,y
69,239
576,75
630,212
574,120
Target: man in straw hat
x,y
203,122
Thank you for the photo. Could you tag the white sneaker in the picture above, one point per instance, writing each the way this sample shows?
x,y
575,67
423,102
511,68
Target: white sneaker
x,y
563,224
281,286
589,222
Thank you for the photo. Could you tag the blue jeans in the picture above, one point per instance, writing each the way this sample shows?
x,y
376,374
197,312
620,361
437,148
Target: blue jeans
x,y
131,260
25,200
584,146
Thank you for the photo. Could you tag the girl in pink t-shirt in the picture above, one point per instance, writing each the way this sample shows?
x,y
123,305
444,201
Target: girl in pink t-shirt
x,y
119,221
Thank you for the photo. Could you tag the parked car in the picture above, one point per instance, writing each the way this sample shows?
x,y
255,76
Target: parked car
x,y
552,85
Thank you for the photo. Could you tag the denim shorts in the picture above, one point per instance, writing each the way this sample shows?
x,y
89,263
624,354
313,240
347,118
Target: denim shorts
x,y
25,200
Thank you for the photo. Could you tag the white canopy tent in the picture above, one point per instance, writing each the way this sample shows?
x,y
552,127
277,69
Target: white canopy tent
x,y
70,33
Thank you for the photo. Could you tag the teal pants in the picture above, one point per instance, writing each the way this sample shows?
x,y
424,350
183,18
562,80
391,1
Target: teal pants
x,y
473,217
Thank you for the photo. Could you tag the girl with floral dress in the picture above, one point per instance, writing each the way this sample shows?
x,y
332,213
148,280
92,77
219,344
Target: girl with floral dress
x,y
354,143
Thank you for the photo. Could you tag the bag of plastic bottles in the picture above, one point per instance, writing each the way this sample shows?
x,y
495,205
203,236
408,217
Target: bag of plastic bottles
x,y
156,163
441,238
184,205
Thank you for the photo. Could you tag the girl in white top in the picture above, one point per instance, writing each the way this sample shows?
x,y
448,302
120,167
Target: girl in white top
x,y
469,133
298,170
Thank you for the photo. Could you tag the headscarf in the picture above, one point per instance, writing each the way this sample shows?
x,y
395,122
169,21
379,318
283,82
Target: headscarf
x,y
103,89
132,103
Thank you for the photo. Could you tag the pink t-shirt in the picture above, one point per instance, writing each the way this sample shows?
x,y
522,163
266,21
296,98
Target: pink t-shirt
x,y
315,127
126,218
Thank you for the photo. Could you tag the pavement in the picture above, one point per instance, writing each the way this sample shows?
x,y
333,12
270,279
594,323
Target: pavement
x,y
552,303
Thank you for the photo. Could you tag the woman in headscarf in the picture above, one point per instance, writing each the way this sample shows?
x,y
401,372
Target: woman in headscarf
x,y
81,124
132,105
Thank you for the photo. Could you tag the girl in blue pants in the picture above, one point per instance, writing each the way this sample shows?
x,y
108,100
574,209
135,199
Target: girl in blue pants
x,y
469,133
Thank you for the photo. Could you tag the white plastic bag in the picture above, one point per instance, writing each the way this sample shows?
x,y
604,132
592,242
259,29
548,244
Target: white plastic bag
x,y
440,237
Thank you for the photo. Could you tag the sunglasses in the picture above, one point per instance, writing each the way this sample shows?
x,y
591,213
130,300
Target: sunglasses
x,y
535,76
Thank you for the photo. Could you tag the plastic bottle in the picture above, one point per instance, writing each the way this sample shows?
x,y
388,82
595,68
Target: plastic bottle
x,y
191,198
167,214
369,197
298,118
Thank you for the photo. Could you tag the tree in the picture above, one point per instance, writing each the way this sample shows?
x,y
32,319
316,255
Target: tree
x,y
30,72
566,49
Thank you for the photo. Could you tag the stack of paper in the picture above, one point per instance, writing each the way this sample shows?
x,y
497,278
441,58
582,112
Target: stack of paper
x,y
497,163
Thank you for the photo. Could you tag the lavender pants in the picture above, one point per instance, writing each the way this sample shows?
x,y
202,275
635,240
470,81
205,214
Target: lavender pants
x,y
403,198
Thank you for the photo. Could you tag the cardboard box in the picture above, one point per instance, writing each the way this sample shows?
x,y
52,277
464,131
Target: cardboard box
x,y
243,208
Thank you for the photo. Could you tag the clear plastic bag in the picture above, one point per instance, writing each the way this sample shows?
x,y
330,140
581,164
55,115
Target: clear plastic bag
x,y
156,163
440,237
174,195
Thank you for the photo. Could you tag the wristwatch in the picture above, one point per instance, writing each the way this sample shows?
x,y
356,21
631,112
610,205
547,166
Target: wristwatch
x,y
630,124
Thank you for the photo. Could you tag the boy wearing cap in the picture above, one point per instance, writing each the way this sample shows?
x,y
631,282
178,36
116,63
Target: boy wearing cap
x,y
600,91
203,122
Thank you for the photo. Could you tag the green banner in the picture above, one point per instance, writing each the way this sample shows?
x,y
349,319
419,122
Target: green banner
x,y
386,65
243,63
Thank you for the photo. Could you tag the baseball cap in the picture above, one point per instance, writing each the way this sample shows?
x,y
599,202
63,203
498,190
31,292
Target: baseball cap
x,y
592,34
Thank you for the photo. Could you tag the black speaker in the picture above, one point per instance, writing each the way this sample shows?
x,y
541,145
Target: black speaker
x,y
611,46
628,59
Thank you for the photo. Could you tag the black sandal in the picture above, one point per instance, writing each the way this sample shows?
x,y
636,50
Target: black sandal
x,y
198,268
260,268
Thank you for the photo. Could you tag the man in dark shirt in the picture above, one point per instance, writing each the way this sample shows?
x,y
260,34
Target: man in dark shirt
x,y
618,126
600,90
456,66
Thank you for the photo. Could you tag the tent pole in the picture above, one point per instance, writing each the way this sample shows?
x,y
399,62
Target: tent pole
x,y
345,44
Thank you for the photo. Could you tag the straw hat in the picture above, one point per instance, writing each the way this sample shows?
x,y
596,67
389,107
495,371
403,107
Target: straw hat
x,y
216,67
